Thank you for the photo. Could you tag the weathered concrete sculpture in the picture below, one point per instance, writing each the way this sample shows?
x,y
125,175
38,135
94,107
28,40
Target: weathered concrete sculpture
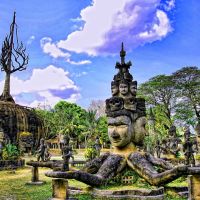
x,y
188,148
66,154
126,130
97,146
170,145
42,152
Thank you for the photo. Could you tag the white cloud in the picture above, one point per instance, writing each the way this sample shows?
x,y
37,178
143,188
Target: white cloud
x,y
42,83
50,48
53,50
169,5
158,30
82,62
30,40
108,23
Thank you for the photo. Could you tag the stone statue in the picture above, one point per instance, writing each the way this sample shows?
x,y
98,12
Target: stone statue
x,y
170,146
188,148
97,146
41,150
126,131
66,154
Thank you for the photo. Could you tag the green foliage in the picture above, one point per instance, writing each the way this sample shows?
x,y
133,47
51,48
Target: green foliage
x,y
187,84
10,152
90,153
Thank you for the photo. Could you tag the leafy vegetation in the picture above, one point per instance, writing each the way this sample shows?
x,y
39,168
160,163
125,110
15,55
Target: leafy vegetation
x,y
10,152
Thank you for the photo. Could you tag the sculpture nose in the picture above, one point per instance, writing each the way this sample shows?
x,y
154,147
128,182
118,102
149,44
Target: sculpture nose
x,y
115,135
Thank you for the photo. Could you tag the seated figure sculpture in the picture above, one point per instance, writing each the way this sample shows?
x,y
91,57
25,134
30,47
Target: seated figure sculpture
x,y
126,131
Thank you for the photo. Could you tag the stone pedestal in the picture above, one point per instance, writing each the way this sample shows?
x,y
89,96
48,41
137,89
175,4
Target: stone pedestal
x,y
60,189
35,177
194,187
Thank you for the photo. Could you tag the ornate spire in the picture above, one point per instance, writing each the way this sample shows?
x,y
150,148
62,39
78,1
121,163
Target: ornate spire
x,y
122,54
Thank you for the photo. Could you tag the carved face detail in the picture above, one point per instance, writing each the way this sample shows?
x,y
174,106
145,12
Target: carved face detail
x,y
114,90
123,89
120,131
133,89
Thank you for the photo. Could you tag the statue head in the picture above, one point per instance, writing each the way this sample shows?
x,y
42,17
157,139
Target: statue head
x,y
133,88
123,87
42,141
122,130
114,88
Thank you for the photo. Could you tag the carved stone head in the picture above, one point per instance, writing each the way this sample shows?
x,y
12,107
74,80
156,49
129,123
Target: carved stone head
x,y
133,88
122,130
123,88
114,88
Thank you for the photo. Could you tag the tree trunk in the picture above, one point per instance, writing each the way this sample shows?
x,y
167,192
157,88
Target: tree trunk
x,y
6,91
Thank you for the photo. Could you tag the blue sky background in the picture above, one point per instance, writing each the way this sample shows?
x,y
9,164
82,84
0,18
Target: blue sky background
x,y
73,45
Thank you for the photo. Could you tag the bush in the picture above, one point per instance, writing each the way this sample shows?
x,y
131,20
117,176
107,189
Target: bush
x,y
90,153
10,152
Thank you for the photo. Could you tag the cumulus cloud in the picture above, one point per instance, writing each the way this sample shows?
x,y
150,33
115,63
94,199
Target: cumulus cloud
x,y
50,48
135,22
53,50
48,84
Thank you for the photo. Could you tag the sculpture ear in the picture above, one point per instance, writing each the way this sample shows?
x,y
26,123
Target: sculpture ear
x,y
139,131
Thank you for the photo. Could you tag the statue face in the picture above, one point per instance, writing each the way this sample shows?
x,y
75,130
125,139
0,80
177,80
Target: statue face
x,y
114,90
123,88
120,131
139,131
133,89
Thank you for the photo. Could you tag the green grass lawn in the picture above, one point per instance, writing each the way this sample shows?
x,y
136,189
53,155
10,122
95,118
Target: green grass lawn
x,y
13,186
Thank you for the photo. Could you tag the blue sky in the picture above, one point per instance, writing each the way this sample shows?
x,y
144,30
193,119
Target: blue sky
x,y
73,45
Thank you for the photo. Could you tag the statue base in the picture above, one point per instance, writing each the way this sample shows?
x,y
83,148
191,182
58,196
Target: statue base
x,y
36,183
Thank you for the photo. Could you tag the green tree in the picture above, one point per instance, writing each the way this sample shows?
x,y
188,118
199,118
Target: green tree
x,y
159,90
187,84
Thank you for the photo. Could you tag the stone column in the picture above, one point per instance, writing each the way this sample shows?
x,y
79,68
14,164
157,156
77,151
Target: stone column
x,y
35,174
194,187
60,189
35,177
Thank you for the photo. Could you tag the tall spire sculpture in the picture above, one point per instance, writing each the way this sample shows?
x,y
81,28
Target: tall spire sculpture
x,y
13,58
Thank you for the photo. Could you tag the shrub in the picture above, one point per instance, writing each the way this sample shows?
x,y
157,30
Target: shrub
x,y
90,153
10,152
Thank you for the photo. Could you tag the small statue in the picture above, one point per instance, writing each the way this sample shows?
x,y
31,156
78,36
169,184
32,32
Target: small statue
x,y
66,154
188,148
47,155
41,151
97,146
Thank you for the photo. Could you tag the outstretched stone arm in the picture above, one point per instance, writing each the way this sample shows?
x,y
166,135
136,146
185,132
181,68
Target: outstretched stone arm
x,y
143,167
111,166
93,166
84,177
158,161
